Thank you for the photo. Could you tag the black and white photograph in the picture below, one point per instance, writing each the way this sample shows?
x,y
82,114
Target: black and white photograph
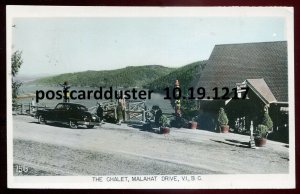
x,y
150,97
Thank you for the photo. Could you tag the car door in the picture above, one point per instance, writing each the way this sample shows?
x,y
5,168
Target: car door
x,y
64,114
58,112
52,113
74,113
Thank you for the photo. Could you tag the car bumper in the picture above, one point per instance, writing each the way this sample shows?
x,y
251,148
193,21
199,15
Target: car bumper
x,y
88,123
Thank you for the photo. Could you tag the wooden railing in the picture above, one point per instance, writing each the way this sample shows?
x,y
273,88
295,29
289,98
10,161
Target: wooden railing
x,y
135,111
26,109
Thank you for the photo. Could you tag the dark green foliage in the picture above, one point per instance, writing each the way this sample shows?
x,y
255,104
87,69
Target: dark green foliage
x,y
131,76
189,104
15,90
262,131
185,75
222,117
267,121
16,62
190,115
164,121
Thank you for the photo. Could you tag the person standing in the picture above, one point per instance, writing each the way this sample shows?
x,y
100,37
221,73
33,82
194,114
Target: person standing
x,y
32,102
33,105
100,112
123,102
66,92
121,108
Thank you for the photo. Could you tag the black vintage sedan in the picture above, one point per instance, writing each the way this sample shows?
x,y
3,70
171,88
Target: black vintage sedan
x,y
68,113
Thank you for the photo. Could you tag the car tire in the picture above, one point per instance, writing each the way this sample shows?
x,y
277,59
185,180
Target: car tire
x,y
90,126
73,125
42,119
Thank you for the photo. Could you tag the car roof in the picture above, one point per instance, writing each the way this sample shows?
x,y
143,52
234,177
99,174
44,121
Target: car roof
x,y
72,104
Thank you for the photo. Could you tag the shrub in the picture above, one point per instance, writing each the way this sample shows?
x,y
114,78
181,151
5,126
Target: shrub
x,y
222,117
164,121
267,121
262,131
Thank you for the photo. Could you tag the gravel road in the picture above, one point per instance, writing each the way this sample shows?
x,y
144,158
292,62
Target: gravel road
x,y
127,150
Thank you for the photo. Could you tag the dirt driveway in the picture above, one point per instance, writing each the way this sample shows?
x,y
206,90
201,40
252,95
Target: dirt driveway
x,y
119,150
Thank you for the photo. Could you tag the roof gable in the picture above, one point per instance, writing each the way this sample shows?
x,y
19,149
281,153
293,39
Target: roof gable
x,y
260,87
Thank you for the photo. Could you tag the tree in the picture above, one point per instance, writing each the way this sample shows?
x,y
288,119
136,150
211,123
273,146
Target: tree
x,y
267,121
16,62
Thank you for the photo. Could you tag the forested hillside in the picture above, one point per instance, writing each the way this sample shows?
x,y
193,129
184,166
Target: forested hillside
x,y
185,75
132,76
154,77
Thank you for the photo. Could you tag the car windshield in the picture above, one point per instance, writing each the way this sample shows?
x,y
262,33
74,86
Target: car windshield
x,y
60,106
70,107
82,108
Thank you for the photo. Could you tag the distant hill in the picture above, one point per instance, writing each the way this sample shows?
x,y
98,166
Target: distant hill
x,y
154,77
29,78
132,76
186,76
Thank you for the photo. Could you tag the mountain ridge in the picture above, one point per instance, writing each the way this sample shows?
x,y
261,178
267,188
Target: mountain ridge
x,y
154,77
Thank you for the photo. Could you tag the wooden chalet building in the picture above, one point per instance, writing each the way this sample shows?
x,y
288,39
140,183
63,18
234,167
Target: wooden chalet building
x,y
260,66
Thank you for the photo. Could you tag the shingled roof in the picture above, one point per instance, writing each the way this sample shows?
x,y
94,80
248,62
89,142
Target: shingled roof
x,y
260,87
234,63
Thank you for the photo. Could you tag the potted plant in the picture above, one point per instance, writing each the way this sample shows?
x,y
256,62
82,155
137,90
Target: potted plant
x,y
193,123
164,123
223,121
191,117
261,135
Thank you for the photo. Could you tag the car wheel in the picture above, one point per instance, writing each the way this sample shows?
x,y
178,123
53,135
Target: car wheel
x,y
73,124
90,126
42,119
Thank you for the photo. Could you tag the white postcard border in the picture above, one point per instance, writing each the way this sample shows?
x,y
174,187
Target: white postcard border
x,y
207,181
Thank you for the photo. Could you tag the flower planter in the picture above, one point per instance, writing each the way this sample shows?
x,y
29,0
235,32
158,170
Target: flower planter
x,y
224,128
260,142
193,125
164,130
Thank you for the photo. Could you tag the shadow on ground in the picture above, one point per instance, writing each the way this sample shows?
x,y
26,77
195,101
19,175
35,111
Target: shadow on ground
x,y
60,125
232,142
146,127
284,158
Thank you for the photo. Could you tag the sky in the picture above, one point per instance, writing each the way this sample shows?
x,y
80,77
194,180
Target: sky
x,y
60,45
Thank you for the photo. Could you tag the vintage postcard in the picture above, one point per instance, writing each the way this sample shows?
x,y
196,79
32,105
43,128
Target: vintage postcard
x,y
150,97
